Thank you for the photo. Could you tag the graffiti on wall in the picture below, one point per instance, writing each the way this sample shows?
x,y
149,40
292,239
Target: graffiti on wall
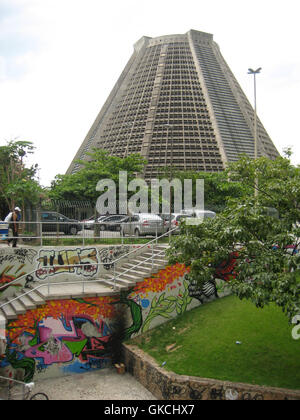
x,y
109,254
19,255
13,266
73,334
53,262
9,274
161,296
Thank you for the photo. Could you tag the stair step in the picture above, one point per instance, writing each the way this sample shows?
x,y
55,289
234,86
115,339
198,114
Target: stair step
x,y
74,290
17,306
121,279
144,263
155,251
138,268
131,275
35,297
111,284
2,319
9,312
160,259
161,246
26,301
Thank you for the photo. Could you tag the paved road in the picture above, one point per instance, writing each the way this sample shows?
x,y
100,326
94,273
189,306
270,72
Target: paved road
x,y
105,384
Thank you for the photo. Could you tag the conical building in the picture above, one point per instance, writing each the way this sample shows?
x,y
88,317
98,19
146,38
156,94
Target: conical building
x,y
178,104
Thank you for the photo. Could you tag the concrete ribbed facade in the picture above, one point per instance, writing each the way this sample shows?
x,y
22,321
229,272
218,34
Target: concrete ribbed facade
x,y
178,104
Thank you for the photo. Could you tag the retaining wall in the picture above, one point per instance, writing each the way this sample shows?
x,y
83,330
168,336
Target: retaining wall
x,y
92,261
166,385
73,335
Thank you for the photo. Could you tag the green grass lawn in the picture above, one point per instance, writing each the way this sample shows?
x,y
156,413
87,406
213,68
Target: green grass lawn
x,y
206,346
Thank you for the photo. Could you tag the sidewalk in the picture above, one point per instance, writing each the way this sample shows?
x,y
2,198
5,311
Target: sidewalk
x,y
104,384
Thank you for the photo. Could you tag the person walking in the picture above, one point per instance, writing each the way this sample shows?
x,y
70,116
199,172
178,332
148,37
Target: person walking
x,y
13,218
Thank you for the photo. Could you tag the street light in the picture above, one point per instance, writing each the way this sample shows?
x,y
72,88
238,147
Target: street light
x,y
170,127
255,72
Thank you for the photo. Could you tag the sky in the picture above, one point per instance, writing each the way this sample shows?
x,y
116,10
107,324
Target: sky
x,y
59,60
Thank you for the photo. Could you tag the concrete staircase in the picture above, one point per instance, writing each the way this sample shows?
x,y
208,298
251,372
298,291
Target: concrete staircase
x,y
127,275
137,269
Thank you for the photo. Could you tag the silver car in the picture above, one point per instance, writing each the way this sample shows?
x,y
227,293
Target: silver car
x,y
143,224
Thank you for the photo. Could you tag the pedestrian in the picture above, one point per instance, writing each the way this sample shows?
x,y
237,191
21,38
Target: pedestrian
x,y
13,218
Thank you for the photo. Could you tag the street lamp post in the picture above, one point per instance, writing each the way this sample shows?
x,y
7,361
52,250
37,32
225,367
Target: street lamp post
x,y
255,72
170,127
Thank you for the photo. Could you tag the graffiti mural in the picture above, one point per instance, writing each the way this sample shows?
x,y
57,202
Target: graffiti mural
x,y
109,254
9,274
13,263
72,334
19,255
160,297
85,260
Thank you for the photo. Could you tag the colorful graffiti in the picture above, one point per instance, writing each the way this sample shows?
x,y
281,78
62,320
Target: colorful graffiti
x,y
60,261
71,333
153,305
77,334
226,269
165,306
13,263
9,274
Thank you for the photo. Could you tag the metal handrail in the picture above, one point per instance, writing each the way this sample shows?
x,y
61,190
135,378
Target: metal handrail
x,y
112,263
137,265
56,233
147,244
72,282
15,381
80,265
26,387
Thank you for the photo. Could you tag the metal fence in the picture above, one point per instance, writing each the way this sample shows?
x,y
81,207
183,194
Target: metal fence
x,y
38,233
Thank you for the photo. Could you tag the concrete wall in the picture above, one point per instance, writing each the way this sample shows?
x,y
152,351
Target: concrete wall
x,y
70,336
166,385
17,262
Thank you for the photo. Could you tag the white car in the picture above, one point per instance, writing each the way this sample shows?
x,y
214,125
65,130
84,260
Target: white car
x,y
197,216
176,218
142,224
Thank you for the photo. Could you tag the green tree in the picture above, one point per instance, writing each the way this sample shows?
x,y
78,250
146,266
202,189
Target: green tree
x,y
265,248
218,186
17,181
100,165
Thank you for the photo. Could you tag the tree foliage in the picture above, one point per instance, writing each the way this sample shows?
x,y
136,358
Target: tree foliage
x,y
219,188
100,165
17,181
264,248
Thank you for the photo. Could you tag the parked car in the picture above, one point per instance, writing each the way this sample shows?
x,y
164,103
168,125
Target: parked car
x,y
56,222
112,222
206,214
197,216
89,223
176,218
142,224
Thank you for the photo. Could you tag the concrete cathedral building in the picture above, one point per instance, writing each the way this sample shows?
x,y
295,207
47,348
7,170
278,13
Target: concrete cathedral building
x,y
177,104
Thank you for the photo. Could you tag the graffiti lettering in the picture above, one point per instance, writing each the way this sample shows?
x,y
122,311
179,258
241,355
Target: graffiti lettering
x,y
85,262
108,255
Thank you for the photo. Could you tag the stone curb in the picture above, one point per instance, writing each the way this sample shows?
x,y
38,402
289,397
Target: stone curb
x,y
166,385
